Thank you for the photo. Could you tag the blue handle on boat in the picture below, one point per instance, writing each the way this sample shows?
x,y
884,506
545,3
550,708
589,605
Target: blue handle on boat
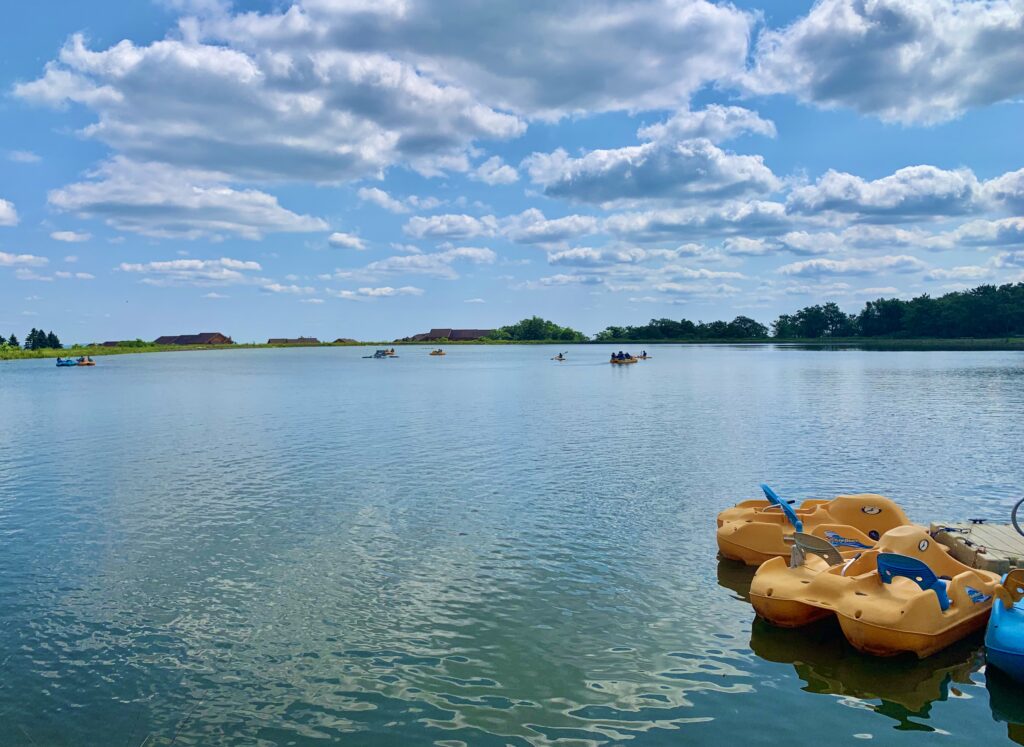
x,y
786,508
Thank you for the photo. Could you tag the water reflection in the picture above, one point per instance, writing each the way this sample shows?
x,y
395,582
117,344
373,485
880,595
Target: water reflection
x,y
1007,700
292,547
736,577
907,687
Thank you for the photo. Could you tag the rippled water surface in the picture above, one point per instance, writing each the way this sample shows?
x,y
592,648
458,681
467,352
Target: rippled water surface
x,y
296,546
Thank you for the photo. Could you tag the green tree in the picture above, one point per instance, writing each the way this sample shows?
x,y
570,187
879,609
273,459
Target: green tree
x,y
717,330
534,329
884,316
784,326
743,327
13,341
810,322
52,341
837,322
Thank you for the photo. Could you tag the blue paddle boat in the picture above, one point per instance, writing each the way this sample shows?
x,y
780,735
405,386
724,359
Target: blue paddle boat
x,y
1004,639
64,362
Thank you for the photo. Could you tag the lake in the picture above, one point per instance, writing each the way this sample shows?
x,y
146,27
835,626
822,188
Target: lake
x,y
289,547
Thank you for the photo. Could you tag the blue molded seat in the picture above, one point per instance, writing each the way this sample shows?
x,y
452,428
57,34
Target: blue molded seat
x,y
786,508
891,565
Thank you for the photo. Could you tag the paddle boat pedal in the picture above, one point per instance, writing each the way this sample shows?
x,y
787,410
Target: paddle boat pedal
x,y
1004,639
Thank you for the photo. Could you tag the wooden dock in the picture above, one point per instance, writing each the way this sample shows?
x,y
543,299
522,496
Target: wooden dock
x,y
988,547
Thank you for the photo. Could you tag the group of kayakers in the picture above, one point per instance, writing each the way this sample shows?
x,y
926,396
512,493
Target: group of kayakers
x,y
620,356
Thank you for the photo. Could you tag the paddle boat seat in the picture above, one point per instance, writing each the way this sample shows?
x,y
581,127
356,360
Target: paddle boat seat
x,y
891,565
808,544
1004,638
758,530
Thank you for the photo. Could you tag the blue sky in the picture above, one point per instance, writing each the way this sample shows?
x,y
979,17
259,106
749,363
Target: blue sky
x,y
373,169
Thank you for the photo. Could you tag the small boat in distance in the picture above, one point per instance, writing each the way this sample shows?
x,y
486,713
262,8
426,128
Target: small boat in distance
x,y
622,359
437,352
66,362
383,354
559,357
85,361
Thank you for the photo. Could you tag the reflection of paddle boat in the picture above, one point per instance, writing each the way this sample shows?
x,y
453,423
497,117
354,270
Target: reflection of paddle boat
x,y
1004,639
1006,699
735,576
908,595
906,686
756,530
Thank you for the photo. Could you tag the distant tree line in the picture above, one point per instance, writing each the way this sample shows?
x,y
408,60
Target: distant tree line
x,y
534,329
740,328
37,339
985,311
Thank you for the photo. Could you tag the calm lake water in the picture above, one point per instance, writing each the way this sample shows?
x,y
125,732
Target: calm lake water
x,y
291,547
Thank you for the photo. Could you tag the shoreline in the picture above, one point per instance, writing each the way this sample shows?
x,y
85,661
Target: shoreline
x,y
889,344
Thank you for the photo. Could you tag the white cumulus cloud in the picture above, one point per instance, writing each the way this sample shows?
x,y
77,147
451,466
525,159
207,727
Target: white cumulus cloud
x,y
21,260
909,61
715,122
438,264
71,237
910,193
162,201
450,226
8,215
223,271
855,266
346,241
370,293
684,170
495,171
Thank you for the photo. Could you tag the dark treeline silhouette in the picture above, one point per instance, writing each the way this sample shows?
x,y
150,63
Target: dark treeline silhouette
x,y
985,311
37,339
740,328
